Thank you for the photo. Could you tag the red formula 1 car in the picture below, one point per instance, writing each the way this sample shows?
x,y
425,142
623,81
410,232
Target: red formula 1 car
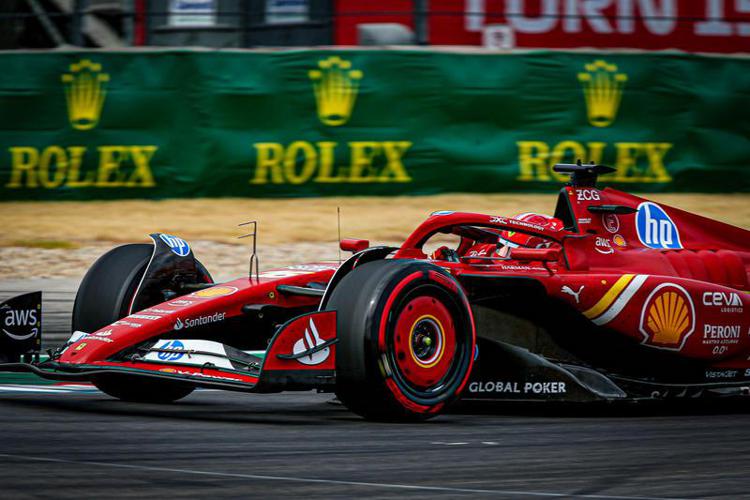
x,y
616,297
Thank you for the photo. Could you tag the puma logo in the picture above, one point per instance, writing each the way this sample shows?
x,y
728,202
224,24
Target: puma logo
x,y
569,291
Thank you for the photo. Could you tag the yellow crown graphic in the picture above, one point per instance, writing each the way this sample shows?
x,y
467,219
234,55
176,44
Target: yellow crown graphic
x,y
602,89
336,86
668,318
85,93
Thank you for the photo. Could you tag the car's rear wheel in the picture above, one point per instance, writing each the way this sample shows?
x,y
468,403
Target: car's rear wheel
x,y
406,340
104,296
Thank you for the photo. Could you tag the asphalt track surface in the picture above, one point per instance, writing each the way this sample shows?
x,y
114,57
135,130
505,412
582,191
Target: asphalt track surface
x,y
78,443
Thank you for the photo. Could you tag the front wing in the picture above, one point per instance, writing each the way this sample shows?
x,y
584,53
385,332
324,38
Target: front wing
x,y
301,356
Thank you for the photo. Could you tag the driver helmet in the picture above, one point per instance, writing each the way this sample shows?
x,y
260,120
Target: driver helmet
x,y
513,239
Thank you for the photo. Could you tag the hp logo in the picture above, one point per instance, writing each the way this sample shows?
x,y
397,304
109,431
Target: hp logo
x,y
177,245
655,228
171,356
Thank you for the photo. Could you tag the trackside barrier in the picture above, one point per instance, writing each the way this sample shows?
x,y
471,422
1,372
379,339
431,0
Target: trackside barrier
x,y
184,123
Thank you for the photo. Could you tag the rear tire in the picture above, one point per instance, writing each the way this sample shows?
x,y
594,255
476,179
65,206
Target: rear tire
x,y
406,340
104,296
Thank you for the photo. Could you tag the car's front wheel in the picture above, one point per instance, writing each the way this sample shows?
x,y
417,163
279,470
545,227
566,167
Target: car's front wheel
x,y
104,296
406,340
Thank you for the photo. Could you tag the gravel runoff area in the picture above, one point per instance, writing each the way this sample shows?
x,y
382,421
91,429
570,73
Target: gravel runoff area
x,y
62,239
224,261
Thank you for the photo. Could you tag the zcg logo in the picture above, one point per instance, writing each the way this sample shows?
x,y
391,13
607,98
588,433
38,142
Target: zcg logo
x,y
588,195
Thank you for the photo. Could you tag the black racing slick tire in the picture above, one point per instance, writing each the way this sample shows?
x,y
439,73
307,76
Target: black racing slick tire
x,y
108,287
406,340
9,358
142,390
103,297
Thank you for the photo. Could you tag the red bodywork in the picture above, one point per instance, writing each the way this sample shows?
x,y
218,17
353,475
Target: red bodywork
x,y
94,351
654,278
618,277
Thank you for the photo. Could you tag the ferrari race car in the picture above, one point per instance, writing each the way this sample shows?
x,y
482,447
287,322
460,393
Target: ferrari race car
x,y
614,298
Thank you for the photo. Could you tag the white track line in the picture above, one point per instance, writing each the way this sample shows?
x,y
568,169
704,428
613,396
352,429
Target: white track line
x,y
445,489
35,388
47,389
62,389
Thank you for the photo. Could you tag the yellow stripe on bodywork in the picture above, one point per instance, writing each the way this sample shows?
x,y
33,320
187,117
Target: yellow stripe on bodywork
x,y
609,297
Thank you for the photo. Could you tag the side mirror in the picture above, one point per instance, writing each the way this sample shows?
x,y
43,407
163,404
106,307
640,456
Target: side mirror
x,y
535,254
353,245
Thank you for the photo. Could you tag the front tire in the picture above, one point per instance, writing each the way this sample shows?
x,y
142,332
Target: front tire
x,y
104,296
406,340
142,389
108,287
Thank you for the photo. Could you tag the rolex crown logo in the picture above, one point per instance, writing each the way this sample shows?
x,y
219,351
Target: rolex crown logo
x,y
85,92
336,86
602,89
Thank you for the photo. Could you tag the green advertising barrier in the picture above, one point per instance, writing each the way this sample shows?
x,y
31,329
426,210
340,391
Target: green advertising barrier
x,y
182,123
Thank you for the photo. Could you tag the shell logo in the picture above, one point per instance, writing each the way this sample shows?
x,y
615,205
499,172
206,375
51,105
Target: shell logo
x,y
216,291
667,317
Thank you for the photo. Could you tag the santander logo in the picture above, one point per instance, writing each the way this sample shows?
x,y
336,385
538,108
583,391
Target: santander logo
x,y
310,340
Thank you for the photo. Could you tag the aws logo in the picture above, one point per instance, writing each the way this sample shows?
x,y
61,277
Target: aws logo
x,y
667,317
602,89
85,91
335,85
25,320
